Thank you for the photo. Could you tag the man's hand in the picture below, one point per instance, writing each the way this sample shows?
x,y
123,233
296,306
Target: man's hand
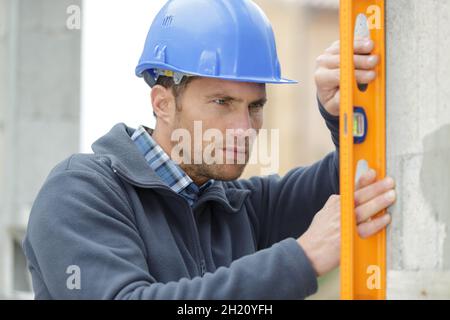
x,y
327,73
321,242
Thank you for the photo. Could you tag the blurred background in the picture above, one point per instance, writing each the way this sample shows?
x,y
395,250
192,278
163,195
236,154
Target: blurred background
x,y
67,76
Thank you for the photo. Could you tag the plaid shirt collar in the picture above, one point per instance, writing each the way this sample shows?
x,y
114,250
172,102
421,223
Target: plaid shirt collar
x,y
169,172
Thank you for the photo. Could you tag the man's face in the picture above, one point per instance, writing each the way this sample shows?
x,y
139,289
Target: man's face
x,y
234,110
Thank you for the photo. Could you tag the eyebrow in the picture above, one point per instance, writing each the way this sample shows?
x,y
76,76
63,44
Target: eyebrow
x,y
227,97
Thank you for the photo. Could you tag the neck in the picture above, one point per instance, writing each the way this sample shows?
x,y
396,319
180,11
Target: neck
x,y
163,140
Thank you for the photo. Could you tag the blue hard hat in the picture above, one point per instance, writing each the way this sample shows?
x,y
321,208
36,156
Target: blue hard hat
x,y
224,39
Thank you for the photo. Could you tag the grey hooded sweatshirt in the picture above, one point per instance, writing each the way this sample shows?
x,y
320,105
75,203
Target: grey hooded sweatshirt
x,y
104,226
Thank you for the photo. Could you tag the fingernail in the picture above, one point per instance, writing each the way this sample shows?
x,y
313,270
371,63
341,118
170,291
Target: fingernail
x,y
390,195
386,218
373,59
369,175
389,182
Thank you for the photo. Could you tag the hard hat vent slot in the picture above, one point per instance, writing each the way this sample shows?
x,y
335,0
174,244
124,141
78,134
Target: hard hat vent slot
x,y
167,21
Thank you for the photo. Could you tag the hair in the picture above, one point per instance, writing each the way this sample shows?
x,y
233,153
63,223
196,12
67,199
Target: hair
x,y
177,89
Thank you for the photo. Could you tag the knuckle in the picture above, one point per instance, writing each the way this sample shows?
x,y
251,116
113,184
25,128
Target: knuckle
x,y
334,46
334,198
320,59
364,232
317,75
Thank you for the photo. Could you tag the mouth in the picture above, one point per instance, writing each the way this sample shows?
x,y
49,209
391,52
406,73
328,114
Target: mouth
x,y
235,155
234,150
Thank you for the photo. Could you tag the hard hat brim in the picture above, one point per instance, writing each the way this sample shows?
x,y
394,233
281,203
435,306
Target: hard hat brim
x,y
146,66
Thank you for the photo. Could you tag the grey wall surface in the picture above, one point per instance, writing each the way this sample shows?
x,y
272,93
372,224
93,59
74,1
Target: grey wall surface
x,y
418,147
39,108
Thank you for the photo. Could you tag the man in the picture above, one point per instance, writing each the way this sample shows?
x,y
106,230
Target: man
x,y
135,220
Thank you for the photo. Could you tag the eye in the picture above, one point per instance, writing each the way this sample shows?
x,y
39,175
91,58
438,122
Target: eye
x,y
221,102
256,107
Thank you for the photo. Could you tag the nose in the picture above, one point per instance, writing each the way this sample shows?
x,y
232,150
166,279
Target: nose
x,y
242,131
241,120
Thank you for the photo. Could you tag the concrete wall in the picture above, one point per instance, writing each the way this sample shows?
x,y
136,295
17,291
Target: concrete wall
x,y
418,147
4,9
39,111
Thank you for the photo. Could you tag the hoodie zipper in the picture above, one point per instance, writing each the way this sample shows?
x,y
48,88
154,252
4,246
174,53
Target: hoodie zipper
x,y
202,267
201,258
201,263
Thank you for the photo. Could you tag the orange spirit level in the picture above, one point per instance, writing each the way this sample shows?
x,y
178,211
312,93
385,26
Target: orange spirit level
x,y
362,144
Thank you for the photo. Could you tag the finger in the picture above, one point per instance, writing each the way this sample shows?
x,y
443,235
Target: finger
x,y
362,46
334,48
375,205
333,201
374,226
366,62
329,61
327,78
330,78
371,190
365,179
361,62
364,76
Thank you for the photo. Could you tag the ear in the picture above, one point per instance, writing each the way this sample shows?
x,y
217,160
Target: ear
x,y
163,103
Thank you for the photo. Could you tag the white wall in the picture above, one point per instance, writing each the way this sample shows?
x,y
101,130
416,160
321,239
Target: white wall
x,y
113,36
